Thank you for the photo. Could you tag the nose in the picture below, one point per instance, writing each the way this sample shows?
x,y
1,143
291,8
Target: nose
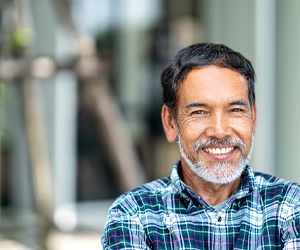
x,y
219,126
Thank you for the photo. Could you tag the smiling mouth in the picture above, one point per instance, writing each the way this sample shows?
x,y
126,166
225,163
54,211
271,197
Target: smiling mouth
x,y
218,151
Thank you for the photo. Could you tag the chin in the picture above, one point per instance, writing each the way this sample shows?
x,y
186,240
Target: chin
x,y
218,173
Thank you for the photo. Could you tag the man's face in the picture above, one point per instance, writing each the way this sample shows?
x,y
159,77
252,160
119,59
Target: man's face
x,y
215,123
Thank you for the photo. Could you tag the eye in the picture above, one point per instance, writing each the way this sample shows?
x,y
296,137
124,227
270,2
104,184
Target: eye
x,y
199,112
236,110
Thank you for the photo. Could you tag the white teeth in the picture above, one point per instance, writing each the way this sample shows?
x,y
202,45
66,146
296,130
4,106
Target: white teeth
x,y
218,151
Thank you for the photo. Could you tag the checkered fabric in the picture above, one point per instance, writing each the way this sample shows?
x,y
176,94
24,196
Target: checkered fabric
x,y
264,213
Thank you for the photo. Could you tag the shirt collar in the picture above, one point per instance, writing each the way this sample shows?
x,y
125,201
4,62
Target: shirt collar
x,y
177,183
247,183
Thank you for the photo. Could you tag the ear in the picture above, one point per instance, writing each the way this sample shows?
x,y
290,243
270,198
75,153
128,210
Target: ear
x,y
169,124
254,116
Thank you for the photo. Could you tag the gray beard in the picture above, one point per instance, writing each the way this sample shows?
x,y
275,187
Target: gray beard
x,y
219,172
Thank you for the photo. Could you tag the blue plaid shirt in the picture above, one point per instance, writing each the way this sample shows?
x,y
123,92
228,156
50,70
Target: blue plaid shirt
x,y
264,213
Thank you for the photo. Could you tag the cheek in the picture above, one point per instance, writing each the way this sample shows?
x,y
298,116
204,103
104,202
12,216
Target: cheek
x,y
245,132
191,132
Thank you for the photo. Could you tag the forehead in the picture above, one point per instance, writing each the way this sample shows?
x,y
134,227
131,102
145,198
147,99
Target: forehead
x,y
213,84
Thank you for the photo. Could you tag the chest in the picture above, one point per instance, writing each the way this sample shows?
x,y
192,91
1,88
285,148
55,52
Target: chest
x,y
208,229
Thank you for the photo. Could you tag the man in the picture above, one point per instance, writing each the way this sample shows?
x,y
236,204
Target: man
x,y
213,199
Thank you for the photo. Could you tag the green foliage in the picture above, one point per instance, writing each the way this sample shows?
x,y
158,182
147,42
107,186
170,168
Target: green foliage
x,y
21,38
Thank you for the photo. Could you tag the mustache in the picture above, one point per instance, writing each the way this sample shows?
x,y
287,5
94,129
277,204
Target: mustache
x,y
227,141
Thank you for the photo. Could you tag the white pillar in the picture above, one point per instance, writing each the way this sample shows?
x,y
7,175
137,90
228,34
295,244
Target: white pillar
x,y
59,94
288,90
265,46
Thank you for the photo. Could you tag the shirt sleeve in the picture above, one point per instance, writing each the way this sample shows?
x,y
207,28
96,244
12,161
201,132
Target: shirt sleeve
x,y
123,231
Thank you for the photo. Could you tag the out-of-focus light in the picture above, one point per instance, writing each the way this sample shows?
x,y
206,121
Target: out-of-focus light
x,y
65,217
43,67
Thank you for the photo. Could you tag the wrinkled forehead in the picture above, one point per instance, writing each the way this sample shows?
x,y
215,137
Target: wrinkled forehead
x,y
215,84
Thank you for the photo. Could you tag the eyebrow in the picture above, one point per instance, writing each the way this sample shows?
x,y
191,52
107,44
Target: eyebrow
x,y
240,102
197,104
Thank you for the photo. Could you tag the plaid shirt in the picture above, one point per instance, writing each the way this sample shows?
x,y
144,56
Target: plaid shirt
x,y
264,213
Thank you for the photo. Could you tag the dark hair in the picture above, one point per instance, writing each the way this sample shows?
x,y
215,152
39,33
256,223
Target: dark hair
x,y
201,55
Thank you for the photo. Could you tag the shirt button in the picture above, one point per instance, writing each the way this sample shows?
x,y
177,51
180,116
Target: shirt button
x,y
220,219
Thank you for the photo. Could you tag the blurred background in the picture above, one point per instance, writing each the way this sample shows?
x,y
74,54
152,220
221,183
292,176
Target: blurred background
x,y
80,102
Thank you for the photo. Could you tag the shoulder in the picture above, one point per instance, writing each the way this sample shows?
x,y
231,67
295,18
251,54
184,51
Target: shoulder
x,y
275,188
148,195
